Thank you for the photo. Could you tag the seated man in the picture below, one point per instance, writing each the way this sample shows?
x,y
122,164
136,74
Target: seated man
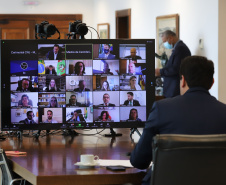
x,y
77,116
133,54
54,54
130,101
25,85
195,112
106,100
106,54
29,119
51,70
73,102
81,86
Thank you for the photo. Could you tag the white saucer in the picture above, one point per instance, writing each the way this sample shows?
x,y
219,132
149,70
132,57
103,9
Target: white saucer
x,y
86,165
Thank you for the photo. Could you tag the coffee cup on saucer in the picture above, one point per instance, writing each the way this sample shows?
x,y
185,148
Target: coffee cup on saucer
x,y
88,159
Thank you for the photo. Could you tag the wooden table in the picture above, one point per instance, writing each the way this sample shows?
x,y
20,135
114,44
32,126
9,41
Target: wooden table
x,y
50,159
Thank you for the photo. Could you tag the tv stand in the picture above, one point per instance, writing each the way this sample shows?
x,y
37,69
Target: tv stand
x,y
113,133
134,130
70,132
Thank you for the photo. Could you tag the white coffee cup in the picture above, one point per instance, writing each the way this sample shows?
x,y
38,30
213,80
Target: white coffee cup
x,y
88,158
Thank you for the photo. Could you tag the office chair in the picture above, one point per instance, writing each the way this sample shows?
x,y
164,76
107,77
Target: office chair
x,y
189,160
7,175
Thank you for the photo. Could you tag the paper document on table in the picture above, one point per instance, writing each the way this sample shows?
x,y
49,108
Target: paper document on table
x,y
106,162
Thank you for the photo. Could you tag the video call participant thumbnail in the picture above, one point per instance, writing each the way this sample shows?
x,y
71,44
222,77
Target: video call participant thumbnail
x,y
50,118
50,70
106,101
106,53
133,85
73,102
29,119
25,101
55,53
25,85
52,87
79,68
81,86
133,115
130,101
133,54
77,116
104,116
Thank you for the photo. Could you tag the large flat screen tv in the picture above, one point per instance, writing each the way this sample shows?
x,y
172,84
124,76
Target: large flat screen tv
x,y
76,84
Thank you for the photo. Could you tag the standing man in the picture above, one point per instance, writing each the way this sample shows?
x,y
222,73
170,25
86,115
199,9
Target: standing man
x,y
170,72
54,54
195,112
50,117
130,101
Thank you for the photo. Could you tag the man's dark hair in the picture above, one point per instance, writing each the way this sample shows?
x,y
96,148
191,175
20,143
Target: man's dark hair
x,y
50,111
169,33
56,45
198,71
28,112
72,96
130,93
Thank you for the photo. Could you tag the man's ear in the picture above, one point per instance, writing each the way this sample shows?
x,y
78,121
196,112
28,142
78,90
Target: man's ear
x,y
212,83
183,82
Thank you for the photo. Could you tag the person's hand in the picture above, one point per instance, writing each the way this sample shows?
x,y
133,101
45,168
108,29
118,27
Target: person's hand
x,y
157,72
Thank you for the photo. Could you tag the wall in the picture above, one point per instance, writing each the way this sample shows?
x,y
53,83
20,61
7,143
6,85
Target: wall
x,y
84,7
197,19
221,52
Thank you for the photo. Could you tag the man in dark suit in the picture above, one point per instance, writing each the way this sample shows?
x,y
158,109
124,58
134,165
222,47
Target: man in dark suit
x,y
170,72
25,85
73,102
29,119
106,54
54,54
106,99
130,101
77,116
51,70
195,112
133,54
82,86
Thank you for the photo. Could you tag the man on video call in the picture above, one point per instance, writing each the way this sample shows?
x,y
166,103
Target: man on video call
x,y
195,112
81,86
51,70
106,54
50,117
54,54
73,102
29,119
25,86
130,101
106,99
77,116
133,54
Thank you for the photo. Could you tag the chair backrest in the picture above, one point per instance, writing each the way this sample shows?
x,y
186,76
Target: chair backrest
x,y
6,173
189,160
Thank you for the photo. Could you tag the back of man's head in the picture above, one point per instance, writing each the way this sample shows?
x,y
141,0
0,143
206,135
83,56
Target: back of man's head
x,y
198,71
168,33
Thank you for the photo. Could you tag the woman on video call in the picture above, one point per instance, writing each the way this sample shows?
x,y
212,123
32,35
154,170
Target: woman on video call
x,y
104,116
132,84
80,68
105,86
52,86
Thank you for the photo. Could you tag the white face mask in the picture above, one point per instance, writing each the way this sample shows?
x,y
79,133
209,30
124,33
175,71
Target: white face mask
x,y
167,45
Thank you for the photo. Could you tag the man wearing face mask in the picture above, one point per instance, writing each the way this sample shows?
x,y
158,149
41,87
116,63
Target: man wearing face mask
x,y
170,72
106,54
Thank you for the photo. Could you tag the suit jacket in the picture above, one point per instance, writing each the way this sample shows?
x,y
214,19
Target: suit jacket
x,y
133,58
53,71
110,56
78,90
26,121
78,104
135,103
109,105
195,113
170,73
80,117
50,55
